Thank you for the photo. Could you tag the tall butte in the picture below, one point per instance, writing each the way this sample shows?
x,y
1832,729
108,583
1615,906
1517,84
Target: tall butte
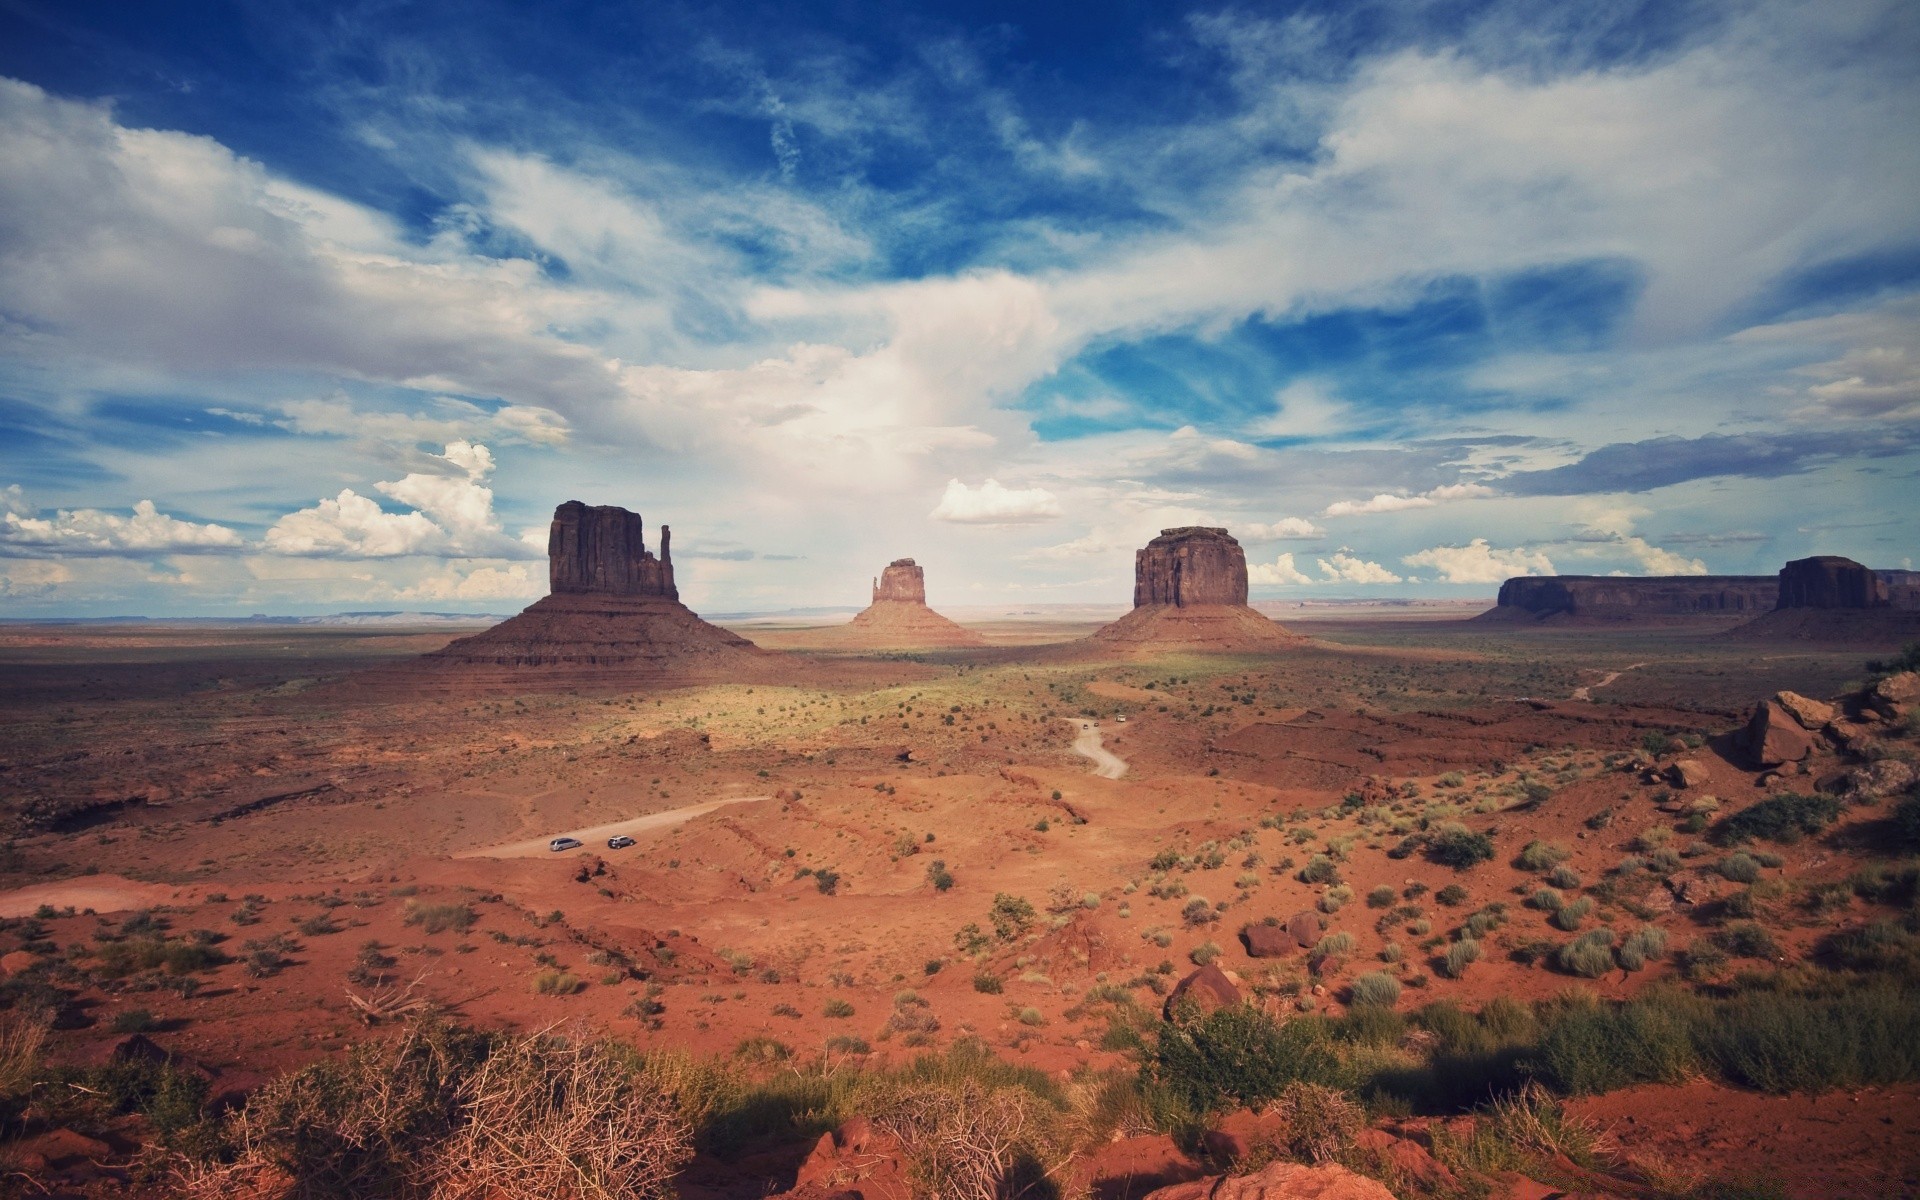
x,y
613,616
899,619
1190,594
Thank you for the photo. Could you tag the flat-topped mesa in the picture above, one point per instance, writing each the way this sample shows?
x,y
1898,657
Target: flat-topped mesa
x,y
902,581
1631,598
601,550
1829,581
1191,565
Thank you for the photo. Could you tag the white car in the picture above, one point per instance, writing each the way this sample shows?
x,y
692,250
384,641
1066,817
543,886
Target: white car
x,y
564,843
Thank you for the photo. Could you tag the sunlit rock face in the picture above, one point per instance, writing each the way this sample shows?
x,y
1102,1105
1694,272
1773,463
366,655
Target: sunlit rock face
x,y
601,550
1829,581
1191,565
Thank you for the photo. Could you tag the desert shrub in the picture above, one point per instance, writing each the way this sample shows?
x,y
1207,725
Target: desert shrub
x,y
837,1008
826,881
1335,898
176,956
1642,946
1031,1016
1564,877
1459,847
1461,955
1204,953
1546,900
1541,856
266,956
1485,921
1376,988
987,983
1906,821
1382,896
1197,911
1783,818
438,918
969,1141
1011,916
1881,946
1783,1041
1236,1055
1746,939
1320,1123
1333,945
1320,869
939,876
552,982
1740,867
133,1020
1589,955
1451,895
1569,915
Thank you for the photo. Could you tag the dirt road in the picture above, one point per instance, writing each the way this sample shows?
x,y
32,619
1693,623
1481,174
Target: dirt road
x,y
597,835
1107,764
1586,693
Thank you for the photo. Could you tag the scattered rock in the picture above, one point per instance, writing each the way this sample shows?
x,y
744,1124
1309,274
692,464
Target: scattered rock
x,y
1813,715
1406,1159
1774,737
1874,780
1261,941
1695,887
1304,928
1280,1181
1893,696
1687,773
1206,989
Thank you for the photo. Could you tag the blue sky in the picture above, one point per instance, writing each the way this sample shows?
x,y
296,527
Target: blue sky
x,y
306,307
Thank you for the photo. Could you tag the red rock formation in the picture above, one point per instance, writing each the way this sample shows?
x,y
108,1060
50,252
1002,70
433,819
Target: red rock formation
x,y
1194,564
899,619
1190,595
1829,581
614,619
1280,1181
1204,989
1618,598
902,581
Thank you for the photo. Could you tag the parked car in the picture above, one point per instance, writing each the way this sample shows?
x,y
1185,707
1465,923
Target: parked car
x,y
619,841
564,843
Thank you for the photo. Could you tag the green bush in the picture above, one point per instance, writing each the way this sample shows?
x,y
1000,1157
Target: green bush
x,y
1376,988
1569,915
1460,848
1320,869
438,918
1740,867
1011,916
1564,877
987,983
1792,1042
1591,1047
1746,939
837,1009
1642,946
1784,818
1451,895
1382,896
1589,955
1459,957
939,876
1547,900
1906,821
1542,856
1238,1055
557,983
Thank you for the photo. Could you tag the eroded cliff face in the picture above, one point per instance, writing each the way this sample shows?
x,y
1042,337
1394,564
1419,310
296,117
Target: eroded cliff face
x,y
903,581
601,551
1607,597
1829,581
1191,565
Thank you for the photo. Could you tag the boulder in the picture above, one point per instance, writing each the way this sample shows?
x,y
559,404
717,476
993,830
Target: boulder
x,y
903,581
1895,695
1193,564
1883,778
1774,737
1304,927
1280,1181
1829,581
1206,989
1812,714
1261,941
1688,773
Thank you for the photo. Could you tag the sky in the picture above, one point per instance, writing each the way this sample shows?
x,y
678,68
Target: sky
x,y
310,307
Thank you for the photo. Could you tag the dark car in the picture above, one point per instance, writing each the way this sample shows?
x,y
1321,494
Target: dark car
x,y
563,843
619,841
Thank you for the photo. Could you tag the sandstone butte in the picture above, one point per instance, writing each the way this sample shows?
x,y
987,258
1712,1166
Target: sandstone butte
x,y
1838,601
613,616
898,617
1190,594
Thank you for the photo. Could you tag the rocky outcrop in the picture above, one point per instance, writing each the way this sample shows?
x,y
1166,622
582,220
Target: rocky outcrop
x,y
899,619
1829,581
1202,991
614,619
902,582
1191,565
1190,595
1772,736
1280,1181
1607,598
600,551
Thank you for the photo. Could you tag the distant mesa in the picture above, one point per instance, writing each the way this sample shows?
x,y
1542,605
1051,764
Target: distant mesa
x,y
1190,594
899,619
614,617
1652,599
1840,602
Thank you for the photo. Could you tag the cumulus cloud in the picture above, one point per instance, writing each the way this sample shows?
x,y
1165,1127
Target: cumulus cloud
x,y
442,419
514,582
993,504
1386,502
31,579
1280,571
1285,529
92,531
1477,562
451,517
1344,567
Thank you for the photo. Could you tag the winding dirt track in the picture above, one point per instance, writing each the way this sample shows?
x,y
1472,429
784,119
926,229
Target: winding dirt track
x,y
592,834
1586,693
1106,764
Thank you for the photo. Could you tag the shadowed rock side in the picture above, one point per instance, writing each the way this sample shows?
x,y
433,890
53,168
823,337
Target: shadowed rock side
x,y
1835,601
1664,599
1190,594
899,619
614,618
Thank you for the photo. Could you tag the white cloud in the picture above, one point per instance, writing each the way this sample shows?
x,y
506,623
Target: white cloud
x,y
452,517
93,531
993,504
1285,529
1280,571
514,582
1386,502
1344,567
31,578
1875,374
1655,560
445,419
1302,410
1477,562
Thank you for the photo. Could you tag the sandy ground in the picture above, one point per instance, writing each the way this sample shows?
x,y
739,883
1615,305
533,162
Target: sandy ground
x,y
1107,764
593,835
101,893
